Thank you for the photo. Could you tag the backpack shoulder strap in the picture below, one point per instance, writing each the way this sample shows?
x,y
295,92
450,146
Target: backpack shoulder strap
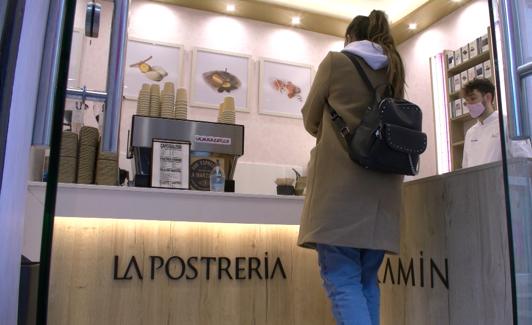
x,y
336,119
354,60
339,123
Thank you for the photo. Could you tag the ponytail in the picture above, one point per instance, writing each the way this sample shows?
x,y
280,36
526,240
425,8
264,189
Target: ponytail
x,y
379,32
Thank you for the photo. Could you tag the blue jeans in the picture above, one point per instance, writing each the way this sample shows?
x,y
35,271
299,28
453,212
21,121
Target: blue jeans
x,y
350,279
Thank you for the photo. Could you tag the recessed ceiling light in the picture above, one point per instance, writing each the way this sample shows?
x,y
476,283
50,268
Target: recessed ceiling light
x,y
456,0
412,26
296,20
230,8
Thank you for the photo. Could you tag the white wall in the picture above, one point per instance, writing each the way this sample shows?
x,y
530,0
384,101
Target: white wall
x,y
269,140
272,141
13,194
450,33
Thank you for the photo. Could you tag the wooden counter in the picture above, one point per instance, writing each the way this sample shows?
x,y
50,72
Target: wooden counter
x,y
454,232
453,267
136,203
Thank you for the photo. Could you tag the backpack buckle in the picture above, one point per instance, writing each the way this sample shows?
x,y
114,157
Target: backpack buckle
x,y
345,131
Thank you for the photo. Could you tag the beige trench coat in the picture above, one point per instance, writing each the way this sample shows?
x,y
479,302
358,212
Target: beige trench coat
x,y
345,204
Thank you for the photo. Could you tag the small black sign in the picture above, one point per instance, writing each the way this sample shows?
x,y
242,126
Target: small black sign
x,y
200,172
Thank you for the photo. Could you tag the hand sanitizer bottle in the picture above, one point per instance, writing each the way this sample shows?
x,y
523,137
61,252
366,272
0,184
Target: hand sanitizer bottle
x,y
217,180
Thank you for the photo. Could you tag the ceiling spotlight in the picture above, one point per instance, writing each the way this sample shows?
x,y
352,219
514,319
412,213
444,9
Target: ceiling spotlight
x,y
230,8
456,0
296,20
412,26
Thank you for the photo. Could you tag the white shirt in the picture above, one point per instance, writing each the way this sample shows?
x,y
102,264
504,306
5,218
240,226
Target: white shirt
x,y
482,143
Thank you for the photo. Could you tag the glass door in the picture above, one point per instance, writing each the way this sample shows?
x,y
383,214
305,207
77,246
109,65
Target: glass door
x,y
514,70
512,31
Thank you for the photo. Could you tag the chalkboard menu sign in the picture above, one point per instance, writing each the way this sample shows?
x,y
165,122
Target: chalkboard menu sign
x,y
200,172
170,164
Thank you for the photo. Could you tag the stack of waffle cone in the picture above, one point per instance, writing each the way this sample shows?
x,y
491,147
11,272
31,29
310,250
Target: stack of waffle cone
x,y
143,102
167,100
155,100
227,114
181,104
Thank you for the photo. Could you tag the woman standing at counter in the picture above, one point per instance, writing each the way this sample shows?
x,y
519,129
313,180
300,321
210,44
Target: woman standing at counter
x,y
351,214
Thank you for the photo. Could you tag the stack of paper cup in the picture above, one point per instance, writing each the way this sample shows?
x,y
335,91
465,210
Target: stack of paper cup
x,y
167,100
107,169
220,112
143,102
88,145
181,105
155,100
228,114
68,157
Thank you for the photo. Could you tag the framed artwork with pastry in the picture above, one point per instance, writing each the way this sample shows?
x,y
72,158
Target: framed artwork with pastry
x,y
217,74
283,87
152,63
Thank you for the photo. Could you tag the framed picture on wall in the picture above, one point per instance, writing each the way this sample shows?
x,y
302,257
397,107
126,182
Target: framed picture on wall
x,y
170,164
283,87
217,74
76,57
152,63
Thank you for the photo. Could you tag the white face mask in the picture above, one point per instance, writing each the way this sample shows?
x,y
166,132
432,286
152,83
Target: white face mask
x,y
476,109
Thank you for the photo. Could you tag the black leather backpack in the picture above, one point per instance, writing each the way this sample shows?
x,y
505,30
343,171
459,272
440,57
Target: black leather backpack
x,y
389,138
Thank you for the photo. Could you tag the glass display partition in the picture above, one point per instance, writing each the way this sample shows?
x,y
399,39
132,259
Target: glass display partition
x,y
513,31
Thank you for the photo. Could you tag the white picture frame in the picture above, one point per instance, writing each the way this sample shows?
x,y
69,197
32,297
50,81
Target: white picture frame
x,y
170,164
205,88
165,57
283,87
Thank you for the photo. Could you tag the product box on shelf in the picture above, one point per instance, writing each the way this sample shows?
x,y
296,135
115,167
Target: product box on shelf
x,y
487,69
451,109
457,57
471,74
484,43
463,78
479,45
458,107
457,83
473,49
449,56
465,110
479,71
465,53
451,84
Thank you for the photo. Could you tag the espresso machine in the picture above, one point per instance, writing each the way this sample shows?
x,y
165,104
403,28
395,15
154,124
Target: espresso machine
x,y
208,140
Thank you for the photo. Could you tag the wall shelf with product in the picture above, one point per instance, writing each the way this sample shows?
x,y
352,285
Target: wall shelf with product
x,y
471,61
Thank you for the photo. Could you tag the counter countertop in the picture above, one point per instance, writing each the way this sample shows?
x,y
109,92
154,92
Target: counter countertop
x,y
116,202
96,201
92,201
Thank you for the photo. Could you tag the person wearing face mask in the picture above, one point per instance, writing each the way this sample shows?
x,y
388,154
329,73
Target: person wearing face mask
x,y
482,142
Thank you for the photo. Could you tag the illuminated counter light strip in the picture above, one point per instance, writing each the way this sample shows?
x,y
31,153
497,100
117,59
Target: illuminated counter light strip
x,y
91,201
133,203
